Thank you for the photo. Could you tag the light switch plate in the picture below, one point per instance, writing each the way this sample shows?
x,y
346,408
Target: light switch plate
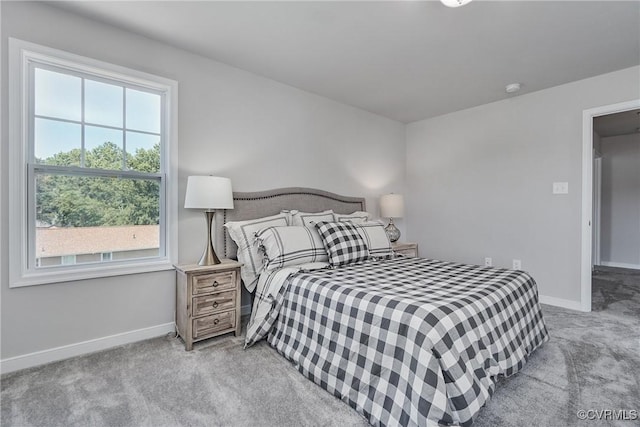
x,y
560,188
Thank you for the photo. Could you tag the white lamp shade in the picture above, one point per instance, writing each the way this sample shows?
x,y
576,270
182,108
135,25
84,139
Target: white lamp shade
x,y
208,192
392,206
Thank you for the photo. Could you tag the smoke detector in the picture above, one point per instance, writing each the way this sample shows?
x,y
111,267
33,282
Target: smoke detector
x,y
512,87
454,3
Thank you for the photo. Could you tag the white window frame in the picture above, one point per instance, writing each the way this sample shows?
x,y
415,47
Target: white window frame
x,y
21,55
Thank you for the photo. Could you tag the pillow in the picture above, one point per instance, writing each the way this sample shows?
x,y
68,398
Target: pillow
x,y
289,214
355,217
343,243
308,219
376,239
243,233
292,245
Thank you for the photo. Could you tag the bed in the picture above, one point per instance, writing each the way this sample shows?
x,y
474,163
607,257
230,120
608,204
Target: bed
x,y
404,341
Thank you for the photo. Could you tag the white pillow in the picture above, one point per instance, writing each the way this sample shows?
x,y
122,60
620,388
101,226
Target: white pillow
x,y
307,219
243,233
289,214
376,239
355,217
289,246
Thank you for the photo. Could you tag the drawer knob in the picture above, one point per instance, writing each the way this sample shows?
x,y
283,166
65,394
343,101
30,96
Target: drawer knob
x,y
215,304
215,283
216,321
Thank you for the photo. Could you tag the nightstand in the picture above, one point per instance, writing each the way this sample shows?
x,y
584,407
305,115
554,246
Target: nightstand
x,y
406,249
207,301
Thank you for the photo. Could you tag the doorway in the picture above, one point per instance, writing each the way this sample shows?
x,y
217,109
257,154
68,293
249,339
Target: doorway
x,y
589,116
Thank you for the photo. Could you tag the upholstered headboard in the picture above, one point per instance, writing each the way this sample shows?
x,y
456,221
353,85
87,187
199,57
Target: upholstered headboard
x,y
259,204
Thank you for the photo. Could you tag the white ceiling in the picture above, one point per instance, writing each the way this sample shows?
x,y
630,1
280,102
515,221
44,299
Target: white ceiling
x,y
624,123
405,60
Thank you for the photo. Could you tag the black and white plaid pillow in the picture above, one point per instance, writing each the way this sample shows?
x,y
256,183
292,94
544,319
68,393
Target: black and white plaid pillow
x,y
343,243
290,245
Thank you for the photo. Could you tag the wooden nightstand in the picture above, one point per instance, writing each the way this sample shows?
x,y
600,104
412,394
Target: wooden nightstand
x,y
207,301
406,249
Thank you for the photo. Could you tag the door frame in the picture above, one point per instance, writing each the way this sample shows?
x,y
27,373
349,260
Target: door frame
x,y
597,206
587,192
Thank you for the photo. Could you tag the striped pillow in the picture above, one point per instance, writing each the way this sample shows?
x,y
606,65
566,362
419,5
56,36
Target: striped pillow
x,y
343,243
291,245
244,234
308,219
355,217
376,239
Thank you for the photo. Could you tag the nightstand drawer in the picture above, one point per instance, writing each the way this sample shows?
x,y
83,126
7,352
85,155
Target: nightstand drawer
x,y
406,252
205,283
211,324
405,249
208,304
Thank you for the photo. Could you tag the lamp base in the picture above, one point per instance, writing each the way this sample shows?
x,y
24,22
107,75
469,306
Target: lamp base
x,y
209,256
392,231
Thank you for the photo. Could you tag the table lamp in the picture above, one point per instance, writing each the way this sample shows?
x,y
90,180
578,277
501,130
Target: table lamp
x,y
208,193
392,206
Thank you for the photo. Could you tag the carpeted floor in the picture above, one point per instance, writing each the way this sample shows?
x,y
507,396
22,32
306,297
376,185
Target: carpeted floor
x,y
591,362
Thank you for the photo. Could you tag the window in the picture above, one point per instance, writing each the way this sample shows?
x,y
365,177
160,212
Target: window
x,y
91,166
68,259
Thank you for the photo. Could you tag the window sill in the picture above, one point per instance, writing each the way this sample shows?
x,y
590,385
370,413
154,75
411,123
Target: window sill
x,y
89,272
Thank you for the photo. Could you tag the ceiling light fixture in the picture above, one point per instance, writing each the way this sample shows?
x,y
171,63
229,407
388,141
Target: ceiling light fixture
x,y
455,3
512,87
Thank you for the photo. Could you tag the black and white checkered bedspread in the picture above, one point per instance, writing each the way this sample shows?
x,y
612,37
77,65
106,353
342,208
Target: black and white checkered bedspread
x,y
409,341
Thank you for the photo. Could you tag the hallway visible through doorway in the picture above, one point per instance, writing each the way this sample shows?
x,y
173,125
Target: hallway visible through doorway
x,y
616,289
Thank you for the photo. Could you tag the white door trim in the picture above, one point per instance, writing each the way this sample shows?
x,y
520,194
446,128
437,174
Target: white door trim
x,y
587,191
597,207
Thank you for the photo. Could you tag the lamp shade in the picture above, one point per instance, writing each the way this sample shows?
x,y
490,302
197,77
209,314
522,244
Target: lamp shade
x,y
208,192
392,206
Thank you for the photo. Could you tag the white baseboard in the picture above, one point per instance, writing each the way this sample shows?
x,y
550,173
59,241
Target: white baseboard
x,y
620,265
560,302
66,351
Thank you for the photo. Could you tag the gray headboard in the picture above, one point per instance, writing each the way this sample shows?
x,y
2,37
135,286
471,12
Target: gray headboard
x,y
259,204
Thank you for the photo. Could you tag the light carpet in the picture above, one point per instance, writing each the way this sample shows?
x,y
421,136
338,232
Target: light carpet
x,y
591,362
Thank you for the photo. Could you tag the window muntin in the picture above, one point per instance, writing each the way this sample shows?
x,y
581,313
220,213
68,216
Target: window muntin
x,y
57,125
66,118
72,151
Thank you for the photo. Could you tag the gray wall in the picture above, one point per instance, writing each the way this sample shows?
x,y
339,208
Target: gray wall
x,y
620,207
479,181
260,133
